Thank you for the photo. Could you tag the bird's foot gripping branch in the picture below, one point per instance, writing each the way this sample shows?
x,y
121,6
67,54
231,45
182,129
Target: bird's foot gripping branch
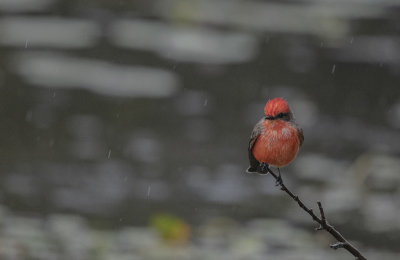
x,y
323,223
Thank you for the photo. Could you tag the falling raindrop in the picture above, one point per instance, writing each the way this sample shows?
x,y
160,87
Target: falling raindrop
x,y
148,191
333,69
109,154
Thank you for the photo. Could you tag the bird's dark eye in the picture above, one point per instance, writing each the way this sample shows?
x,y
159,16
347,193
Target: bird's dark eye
x,y
285,116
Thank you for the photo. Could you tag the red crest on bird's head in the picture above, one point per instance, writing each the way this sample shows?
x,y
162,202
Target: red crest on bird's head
x,y
276,106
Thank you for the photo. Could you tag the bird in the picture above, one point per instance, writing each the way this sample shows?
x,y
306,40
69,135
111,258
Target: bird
x,y
275,139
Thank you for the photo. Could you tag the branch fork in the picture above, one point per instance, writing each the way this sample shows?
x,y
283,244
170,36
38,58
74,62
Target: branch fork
x,y
323,223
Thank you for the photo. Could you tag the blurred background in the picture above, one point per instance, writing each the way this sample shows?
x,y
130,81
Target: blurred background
x,y
124,127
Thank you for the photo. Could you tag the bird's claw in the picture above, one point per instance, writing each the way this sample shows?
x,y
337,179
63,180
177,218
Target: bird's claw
x,y
279,181
263,168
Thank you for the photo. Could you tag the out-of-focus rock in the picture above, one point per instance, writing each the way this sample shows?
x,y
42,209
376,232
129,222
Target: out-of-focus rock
x,y
72,233
318,168
378,172
217,232
381,213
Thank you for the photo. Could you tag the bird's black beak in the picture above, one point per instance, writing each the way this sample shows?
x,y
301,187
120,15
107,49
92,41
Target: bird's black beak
x,y
269,117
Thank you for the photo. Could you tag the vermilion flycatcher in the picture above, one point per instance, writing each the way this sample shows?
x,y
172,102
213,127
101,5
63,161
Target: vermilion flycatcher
x,y
275,139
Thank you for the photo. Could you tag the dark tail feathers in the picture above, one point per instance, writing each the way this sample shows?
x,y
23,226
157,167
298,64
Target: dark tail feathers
x,y
251,169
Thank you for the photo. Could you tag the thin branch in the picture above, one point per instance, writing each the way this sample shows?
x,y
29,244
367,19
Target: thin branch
x,y
321,211
324,225
338,245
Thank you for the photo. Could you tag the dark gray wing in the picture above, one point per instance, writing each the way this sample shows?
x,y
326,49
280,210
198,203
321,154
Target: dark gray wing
x,y
301,135
253,138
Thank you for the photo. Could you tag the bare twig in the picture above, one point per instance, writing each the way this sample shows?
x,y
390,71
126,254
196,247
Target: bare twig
x,y
338,245
321,211
324,225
